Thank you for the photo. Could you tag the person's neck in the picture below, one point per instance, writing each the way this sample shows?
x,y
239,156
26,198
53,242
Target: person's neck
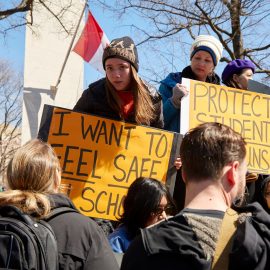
x,y
201,79
207,194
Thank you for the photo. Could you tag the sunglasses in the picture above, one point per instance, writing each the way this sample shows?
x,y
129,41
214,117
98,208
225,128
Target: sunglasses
x,y
167,209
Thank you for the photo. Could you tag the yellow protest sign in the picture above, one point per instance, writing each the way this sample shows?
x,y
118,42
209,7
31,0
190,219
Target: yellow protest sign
x,y
244,111
100,157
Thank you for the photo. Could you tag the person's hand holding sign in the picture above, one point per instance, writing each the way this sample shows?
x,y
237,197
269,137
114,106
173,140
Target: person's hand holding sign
x,y
179,91
178,163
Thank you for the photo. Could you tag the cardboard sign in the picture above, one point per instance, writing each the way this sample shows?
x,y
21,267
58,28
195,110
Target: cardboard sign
x,y
100,157
244,111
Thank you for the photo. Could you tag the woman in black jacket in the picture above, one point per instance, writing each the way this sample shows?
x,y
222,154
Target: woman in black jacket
x,y
33,179
122,94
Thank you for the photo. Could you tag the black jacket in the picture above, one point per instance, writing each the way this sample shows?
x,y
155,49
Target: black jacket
x,y
179,243
94,101
81,243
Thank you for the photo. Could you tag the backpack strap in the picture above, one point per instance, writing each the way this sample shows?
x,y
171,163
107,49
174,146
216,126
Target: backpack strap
x,y
59,211
224,243
15,212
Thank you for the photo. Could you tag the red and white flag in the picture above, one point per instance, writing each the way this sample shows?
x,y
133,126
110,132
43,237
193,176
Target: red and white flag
x,y
91,44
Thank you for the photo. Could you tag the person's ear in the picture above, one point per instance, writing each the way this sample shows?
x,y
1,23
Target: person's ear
x,y
232,173
235,78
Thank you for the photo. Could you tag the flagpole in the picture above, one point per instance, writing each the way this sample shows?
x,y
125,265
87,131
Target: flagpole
x,y
54,87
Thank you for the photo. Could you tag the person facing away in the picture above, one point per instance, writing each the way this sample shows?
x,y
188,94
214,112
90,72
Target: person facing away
x,y
122,94
214,169
237,73
205,54
33,178
147,202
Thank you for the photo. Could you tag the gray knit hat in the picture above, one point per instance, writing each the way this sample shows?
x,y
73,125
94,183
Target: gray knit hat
x,y
123,48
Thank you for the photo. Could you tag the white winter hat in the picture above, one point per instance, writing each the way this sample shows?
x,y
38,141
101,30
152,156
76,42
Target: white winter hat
x,y
209,44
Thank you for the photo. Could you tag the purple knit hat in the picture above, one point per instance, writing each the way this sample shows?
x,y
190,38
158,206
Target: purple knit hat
x,y
235,67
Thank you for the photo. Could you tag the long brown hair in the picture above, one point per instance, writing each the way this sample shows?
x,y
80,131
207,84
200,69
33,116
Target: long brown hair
x,y
32,175
144,107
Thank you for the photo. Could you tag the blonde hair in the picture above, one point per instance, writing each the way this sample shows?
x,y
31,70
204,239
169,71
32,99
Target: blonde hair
x,y
31,175
144,107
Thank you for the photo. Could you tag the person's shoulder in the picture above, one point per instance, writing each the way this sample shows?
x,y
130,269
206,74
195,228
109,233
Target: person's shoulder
x,y
254,219
96,85
79,221
168,245
120,234
255,215
119,239
169,82
172,78
152,90
161,233
214,79
135,250
252,238
94,92
71,220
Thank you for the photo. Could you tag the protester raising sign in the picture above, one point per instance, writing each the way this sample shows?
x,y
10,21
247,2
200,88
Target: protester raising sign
x,y
244,111
100,157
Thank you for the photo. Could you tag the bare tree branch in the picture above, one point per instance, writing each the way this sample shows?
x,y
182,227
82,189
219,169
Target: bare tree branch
x,y
240,25
23,13
11,107
23,6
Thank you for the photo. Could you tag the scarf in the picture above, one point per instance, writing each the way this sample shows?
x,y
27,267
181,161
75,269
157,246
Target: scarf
x,y
188,73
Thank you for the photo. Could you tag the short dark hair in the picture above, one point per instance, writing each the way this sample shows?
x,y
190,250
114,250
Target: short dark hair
x,y
207,148
142,199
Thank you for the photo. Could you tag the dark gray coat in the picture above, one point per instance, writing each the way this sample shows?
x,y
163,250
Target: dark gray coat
x,y
81,243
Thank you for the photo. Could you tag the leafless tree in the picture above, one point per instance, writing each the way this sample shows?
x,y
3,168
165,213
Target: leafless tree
x,y
241,25
19,13
11,112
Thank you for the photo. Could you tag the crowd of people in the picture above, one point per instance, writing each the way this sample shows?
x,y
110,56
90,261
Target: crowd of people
x,y
157,230
215,180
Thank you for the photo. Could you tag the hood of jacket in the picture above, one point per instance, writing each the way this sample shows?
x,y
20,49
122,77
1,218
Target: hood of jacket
x,y
167,236
251,246
173,78
60,200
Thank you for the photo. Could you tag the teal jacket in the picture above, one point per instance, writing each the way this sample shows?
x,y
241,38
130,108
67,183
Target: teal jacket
x,y
170,113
